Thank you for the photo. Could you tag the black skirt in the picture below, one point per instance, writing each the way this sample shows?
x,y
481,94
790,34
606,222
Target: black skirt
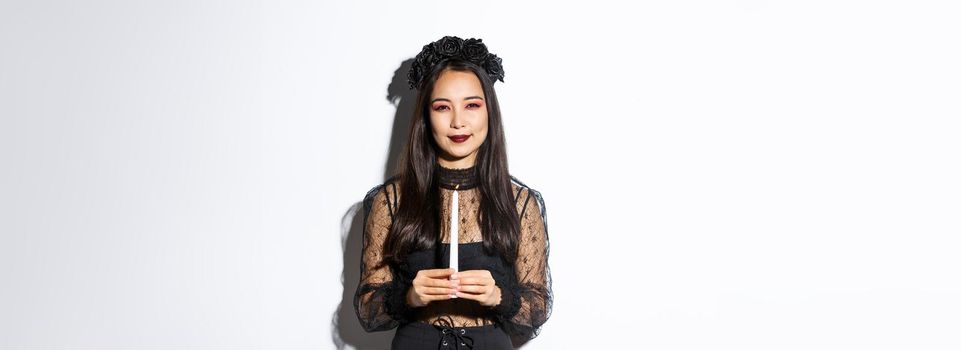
x,y
420,335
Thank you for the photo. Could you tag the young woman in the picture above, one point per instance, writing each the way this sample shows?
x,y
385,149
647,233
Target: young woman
x,y
456,153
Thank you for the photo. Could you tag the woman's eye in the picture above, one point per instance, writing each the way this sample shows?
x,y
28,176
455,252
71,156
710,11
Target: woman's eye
x,y
473,104
439,108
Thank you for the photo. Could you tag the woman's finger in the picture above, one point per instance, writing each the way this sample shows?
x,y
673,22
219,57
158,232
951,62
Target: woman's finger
x,y
436,291
437,283
474,289
476,281
470,296
474,274
435,273
435,297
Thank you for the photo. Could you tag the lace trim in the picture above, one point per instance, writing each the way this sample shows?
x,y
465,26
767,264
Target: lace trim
x,y
449,178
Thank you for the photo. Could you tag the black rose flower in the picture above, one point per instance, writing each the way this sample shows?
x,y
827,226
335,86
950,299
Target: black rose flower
x,y
449,46
494,68
474,50
415,75
427,55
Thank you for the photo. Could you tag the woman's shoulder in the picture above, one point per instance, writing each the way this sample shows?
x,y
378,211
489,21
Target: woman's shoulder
x,y
524,193
384,192
392,182
521,187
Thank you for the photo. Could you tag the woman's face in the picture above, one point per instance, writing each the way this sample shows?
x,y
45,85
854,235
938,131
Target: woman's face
x,y
458,108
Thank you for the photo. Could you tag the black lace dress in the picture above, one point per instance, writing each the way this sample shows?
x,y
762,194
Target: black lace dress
x,y
526,296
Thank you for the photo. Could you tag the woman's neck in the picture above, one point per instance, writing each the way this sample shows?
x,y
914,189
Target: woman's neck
x,y
459,178
467,161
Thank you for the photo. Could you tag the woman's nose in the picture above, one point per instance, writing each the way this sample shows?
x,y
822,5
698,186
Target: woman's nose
x,y
456,121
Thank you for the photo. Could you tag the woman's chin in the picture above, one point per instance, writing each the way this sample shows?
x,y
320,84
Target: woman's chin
x,y
459,152
457,156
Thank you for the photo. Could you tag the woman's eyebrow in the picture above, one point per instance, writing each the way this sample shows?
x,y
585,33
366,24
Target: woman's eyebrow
x,y
465,99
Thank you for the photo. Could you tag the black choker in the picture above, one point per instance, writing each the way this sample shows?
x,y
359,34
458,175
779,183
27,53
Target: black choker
x,y
449,178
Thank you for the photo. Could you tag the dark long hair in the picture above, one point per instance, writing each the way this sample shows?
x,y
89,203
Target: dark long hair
x,y
415,224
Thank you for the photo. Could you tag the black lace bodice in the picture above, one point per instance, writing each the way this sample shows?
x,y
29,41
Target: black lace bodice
x,y
526,296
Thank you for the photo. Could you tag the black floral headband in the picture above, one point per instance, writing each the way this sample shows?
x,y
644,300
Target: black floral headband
x,y
452,47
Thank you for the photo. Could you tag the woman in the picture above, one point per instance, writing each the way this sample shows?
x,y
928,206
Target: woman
x,y
502,286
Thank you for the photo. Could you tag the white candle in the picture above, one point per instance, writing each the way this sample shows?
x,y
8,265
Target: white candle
x,y
453,230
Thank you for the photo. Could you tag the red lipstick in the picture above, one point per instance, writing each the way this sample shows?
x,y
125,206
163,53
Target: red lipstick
x,y
459,138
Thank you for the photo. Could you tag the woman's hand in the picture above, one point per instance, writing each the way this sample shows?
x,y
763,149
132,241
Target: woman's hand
x,y
431,285
477,285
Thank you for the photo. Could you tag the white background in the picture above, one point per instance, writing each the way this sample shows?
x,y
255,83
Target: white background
x,y
717,174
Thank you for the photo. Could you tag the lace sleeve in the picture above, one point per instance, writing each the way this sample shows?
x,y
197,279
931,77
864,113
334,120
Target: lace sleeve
x,y
527,299
380,300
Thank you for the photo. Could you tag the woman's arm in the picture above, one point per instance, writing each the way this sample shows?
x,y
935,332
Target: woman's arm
x,y
380,300
526,301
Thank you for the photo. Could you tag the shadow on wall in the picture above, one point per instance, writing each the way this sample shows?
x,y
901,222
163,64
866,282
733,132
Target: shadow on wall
x,y
345,327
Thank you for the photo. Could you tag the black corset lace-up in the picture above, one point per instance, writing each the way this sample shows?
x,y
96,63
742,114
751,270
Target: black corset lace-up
x,y
452,337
